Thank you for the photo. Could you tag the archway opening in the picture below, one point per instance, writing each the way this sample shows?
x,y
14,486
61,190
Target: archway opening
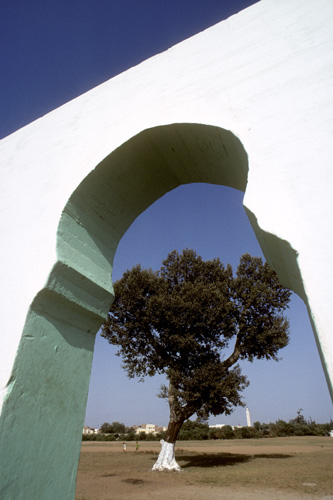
x,y
58,337
138,173
211,220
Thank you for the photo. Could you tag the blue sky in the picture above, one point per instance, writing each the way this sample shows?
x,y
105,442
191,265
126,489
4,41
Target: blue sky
x,y
51,52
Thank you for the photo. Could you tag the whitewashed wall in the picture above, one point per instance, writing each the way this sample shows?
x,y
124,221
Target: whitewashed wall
x,y
266,76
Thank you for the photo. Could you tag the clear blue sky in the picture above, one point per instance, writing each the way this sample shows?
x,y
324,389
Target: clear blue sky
x,y
53,51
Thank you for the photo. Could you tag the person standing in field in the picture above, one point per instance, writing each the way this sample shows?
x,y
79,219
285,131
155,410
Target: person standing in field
x,y
124,446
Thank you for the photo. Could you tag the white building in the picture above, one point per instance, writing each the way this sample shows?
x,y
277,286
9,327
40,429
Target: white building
x,y
149,429
88,430
145,429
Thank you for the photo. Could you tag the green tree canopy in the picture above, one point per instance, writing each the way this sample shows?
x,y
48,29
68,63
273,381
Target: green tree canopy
x,y
193,320
114,428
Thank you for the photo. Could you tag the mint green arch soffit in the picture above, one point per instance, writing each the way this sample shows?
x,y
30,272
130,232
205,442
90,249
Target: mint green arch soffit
x,y
127,182
121,187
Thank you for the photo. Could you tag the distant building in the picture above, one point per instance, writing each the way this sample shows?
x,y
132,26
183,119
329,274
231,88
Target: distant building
x,y
149,429
220,426
160,428
88,430
248,423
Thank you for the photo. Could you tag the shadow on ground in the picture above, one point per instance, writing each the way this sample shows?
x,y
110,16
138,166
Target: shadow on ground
x,y
221,459
134,481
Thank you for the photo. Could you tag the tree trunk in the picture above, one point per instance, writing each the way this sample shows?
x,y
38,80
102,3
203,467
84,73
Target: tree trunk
x,y
173,430
166,459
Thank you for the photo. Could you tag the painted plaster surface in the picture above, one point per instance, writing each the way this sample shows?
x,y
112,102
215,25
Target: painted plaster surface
x,y
41,430
246,104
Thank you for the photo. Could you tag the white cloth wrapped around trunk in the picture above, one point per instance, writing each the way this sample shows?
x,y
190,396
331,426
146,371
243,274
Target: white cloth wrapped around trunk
x,y
166,459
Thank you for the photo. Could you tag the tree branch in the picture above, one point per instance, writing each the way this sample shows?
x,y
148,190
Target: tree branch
x,y
177,413
233,358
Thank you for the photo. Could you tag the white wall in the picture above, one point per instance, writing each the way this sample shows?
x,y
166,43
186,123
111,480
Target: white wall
x,y
265,75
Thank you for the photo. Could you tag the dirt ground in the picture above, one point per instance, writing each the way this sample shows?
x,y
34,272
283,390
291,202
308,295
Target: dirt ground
x,y
274,469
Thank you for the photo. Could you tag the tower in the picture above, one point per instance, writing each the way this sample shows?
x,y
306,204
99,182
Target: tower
x,y
248,418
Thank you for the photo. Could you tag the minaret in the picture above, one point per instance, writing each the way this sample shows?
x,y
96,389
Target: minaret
x,y
248,418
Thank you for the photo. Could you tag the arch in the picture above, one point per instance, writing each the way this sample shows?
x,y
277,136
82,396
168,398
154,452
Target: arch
x,y
50,380
133,177
266,94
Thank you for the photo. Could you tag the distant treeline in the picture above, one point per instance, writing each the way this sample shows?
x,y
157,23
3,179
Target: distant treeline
x,y
193,430
280,428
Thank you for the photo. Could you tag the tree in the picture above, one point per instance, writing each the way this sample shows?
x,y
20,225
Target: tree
x,y
114,428
118,428
106,428
192,320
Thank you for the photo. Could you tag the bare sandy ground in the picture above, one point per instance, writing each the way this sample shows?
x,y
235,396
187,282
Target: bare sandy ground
x,y
106,473
164,488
